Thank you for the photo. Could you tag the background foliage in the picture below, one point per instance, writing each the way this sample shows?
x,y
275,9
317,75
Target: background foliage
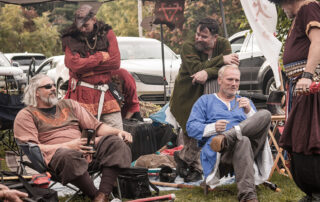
x,y
37,28
23,30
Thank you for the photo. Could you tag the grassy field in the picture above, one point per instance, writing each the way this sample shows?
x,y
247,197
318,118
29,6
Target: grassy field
x,y
289,192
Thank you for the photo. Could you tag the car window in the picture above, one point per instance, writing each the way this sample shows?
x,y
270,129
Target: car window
x,y
252,45
4,61
143,50
26,60
236,44
46,67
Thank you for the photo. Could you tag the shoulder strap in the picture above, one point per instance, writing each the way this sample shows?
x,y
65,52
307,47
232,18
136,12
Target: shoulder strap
x,y
155,188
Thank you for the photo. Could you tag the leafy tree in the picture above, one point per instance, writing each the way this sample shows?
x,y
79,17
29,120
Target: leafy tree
x,y
122,15
196,10
23,30
61,13
11,25
45,39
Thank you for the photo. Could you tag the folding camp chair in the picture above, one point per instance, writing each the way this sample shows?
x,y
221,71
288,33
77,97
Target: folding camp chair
x,y
37,163
10,105
276,119
33,152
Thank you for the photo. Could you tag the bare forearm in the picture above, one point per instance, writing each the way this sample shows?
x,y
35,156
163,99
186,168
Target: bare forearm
x,y
48,147
313,57
2,194
129,115
105,130
314,50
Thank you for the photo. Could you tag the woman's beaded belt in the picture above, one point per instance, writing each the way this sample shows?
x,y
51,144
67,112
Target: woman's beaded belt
x,y
296,68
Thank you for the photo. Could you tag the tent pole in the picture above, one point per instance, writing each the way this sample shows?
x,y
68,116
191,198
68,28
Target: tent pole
x,y
163,66
223,19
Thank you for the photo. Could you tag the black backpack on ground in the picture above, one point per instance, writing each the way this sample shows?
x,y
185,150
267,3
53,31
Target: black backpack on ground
x,y
134,183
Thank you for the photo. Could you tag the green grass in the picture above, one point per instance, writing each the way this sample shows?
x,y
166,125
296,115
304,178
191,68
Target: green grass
x,y
289,191
228,193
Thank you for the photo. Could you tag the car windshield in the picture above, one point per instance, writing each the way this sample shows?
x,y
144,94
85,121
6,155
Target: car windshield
x,y
143,50
4,61
26,60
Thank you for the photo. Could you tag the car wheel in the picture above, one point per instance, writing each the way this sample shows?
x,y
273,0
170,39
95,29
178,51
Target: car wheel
x,y
60,93
270,86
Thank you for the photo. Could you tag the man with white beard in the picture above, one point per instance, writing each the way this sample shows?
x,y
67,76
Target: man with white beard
x,y
55,126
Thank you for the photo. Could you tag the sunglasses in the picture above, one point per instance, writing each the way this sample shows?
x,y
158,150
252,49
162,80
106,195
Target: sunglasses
x,y
48,86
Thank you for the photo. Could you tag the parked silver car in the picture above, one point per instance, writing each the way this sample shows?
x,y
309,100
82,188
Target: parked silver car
x,y
11,78
141,57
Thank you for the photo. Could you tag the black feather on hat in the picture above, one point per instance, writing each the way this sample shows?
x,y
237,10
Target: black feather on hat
x,y
281,1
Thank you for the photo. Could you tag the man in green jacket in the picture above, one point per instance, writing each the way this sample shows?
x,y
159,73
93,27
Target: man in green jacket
x,y
201,59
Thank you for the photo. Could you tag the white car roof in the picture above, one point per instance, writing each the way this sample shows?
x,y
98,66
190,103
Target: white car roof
x,y
238,34
11,55
128,38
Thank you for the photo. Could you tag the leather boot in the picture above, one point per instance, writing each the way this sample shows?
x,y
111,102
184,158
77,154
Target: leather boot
x,y
101,197
226,140
216,143
252,200
182,167
193,176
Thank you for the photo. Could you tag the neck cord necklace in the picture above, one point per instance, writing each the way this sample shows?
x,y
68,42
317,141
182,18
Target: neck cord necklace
x,y
94,43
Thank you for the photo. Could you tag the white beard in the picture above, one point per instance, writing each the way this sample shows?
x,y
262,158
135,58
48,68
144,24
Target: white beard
x,y
50,101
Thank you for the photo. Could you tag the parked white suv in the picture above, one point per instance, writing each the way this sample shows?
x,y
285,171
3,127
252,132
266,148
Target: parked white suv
x,y
142,58
256,73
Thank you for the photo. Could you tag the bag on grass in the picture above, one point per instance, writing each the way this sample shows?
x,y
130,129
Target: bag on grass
x,y
36,194
134,183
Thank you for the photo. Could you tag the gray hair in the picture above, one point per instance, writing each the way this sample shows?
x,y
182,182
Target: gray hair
x,y
29,96
225,67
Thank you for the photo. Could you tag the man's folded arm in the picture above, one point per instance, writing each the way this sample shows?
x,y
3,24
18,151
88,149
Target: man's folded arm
x,y
193,61
80,65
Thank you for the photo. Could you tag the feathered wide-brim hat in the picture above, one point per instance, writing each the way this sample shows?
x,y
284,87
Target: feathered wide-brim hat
x,y
280,1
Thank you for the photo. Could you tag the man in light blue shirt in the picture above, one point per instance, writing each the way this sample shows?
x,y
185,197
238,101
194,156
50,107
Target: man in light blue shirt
x,y
231,134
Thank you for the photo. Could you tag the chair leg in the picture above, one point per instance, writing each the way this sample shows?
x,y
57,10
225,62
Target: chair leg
x,y
205,187
73,196
119,190
22,169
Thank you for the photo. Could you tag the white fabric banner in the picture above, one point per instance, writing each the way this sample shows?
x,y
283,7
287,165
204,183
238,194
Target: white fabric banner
x,y
262,17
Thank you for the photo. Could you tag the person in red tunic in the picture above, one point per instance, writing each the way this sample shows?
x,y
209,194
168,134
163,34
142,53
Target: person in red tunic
x,y
93,58
301,59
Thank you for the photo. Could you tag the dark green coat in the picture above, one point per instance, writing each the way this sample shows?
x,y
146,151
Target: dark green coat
x,y
185,94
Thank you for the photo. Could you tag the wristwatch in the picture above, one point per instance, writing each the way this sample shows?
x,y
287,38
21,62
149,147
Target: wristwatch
x,y
307,75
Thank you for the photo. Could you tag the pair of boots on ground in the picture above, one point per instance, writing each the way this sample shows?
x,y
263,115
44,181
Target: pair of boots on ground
x,y
189,174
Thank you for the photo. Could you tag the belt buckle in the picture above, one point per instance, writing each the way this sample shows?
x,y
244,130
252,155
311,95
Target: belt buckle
x,y
96,86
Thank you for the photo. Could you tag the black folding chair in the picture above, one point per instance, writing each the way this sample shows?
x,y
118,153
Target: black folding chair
x,y
37,163
10,105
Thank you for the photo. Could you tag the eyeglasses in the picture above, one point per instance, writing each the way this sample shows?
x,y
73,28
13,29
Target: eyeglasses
x,y
48,86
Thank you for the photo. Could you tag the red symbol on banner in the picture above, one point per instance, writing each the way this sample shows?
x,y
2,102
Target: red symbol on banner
x,y
265,35
260,9
175,8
